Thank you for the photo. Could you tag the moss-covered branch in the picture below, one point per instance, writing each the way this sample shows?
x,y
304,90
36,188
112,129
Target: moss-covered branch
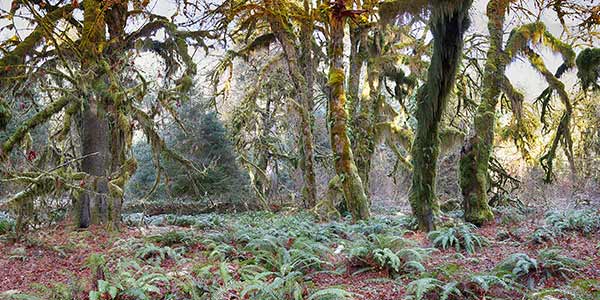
x,y
31,123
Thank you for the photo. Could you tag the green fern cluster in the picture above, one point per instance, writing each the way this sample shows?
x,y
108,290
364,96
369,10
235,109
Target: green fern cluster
x,y
584,220
472,287
129,281
173,237
390,252
460,236
577,290
549,263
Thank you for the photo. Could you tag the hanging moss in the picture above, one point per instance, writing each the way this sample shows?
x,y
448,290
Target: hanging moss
x,y
522,37
588,67
449,21
391,9
39,118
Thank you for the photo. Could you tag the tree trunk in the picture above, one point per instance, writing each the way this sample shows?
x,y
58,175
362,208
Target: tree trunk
x,y
102,151
475,153
364,125
303,87
307,63
345,167
449,21
95,205
358,40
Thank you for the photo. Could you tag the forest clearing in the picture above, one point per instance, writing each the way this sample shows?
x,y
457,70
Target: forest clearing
x,y
299,149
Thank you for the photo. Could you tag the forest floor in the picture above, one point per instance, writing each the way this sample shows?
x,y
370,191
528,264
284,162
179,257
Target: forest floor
x,y
211,257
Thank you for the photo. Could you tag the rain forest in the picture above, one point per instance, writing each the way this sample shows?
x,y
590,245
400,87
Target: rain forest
x,y
299,149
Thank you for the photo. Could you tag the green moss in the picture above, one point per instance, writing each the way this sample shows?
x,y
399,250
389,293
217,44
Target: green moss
x,y
5,114
588,66
336,77
449,21
39,118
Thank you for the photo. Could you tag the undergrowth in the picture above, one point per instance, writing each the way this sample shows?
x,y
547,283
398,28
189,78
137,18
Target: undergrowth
x,y
268,256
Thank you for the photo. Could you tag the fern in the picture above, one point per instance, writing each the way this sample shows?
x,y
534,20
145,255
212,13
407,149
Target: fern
x,y
517,265
554,263
151,252
387,259
544,234
459,236
585,221
128,280
426,288
330,294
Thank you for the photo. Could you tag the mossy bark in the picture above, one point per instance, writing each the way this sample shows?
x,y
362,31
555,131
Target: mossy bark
x,y
345,167
358,41
475,153
368,117
449,21
102,145
303,84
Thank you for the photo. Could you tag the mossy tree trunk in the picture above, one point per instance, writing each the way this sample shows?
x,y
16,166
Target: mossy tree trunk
x,y
303,84
449,20
345,167
102,144
364,125
95,204
358,45
475,153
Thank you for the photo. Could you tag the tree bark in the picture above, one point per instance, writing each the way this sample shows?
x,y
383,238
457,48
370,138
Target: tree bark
x,y
94,204
303,84
449,21
364,125
101,146
475,153
345,167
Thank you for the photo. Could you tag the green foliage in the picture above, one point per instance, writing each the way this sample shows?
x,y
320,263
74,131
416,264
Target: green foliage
x,y
426,288
204,141
517,265
129,280
554,263
580,289
172,238
549,263
7,223
544,234
588,67
584,221
459,236
153,253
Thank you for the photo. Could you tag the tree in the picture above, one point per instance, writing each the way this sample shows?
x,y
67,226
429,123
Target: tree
x,y
345,166
448,21
294,35
477,150
103,99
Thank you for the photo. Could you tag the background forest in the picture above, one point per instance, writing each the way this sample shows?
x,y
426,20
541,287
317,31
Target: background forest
x,y
279,149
